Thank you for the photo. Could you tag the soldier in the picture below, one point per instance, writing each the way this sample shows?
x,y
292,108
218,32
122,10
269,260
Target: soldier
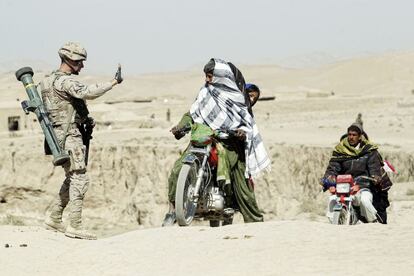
x,y
64,98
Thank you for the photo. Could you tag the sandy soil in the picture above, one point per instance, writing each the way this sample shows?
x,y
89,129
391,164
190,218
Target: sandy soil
x,y
298,247
283,247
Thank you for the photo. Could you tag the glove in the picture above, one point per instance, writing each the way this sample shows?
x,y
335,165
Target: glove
x,y
327,182
240,134
118,75
178,134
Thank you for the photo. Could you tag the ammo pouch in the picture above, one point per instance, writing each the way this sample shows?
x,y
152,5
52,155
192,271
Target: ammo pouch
x,y
77,158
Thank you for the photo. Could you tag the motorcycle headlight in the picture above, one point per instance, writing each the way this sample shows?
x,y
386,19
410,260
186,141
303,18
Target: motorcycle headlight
x,y
343,188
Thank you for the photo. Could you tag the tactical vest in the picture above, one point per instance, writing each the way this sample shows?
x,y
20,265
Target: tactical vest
x,y
59,104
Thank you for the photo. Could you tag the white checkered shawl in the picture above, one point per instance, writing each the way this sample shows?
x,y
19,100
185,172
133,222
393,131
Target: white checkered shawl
x,y
221,105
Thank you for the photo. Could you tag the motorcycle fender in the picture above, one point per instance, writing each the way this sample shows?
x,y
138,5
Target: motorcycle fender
x,y
189,159
337,207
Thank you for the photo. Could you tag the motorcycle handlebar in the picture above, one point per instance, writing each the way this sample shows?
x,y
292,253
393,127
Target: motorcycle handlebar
x,y
225,134
220,133
185,129
364,181
364,178
367,178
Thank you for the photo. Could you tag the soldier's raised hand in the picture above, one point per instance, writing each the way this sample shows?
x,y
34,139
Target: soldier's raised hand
x,y
118,76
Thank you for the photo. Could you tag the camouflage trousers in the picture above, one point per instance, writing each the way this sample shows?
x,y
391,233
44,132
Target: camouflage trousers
x,y
76,181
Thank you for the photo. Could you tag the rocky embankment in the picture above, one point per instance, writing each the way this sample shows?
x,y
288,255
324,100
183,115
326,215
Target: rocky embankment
x,y
129,183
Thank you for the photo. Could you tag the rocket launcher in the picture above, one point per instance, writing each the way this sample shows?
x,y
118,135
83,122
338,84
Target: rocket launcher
x,y
35,105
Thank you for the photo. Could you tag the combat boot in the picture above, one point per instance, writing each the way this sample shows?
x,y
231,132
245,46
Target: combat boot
x,y
79,233
75,229
54,220
52,224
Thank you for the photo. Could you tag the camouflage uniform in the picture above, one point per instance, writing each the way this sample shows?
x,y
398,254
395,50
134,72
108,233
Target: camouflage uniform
x,y
64,98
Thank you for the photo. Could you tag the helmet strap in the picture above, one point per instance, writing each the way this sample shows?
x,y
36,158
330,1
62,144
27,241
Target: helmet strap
x,y
69,63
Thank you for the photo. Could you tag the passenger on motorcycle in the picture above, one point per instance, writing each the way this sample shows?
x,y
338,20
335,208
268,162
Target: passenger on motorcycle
x,y
253,92
241,193
357,156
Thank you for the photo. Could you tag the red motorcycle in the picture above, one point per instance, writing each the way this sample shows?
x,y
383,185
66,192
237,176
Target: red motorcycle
x,y
345,190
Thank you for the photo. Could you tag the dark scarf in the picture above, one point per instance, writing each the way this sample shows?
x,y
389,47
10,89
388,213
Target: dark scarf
x,y
241,84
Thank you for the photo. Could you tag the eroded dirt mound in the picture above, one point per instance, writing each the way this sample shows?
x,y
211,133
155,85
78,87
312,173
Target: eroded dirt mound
x,y
129,183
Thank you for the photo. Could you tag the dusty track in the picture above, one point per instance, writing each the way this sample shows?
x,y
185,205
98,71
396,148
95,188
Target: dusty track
x,y
271,248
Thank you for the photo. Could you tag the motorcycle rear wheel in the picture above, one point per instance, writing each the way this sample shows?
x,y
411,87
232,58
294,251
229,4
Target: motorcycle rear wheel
x,y
185,207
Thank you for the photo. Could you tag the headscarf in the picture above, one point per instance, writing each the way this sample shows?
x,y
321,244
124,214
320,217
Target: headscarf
x,y
251,87
238,76
221,105
344,151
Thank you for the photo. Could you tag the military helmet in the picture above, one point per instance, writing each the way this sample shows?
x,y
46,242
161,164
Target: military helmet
x,y
73,51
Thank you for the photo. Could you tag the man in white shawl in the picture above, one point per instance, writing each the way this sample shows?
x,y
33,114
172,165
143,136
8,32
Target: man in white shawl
x,y
223,104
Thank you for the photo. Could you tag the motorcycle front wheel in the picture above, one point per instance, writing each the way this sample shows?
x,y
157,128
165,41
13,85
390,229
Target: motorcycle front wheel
x,y
185,207
340,216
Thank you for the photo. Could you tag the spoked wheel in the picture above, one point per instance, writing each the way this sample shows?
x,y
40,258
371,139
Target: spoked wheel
x,y
185,207
340,216
354,216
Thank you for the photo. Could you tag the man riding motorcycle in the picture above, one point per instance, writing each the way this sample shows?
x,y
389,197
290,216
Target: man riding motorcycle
x,y
244,197
357,156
